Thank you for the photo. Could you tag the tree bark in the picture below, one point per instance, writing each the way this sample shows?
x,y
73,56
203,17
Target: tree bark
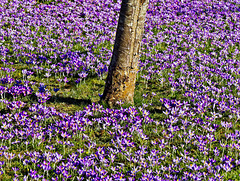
x,y
120,82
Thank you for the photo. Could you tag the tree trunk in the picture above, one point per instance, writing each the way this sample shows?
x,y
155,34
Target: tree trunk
x,y
120,83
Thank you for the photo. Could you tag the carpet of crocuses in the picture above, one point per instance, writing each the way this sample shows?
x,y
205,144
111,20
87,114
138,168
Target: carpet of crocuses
x,y
185,122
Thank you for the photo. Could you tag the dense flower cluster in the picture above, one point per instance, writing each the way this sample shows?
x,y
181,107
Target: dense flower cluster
x,y
43,94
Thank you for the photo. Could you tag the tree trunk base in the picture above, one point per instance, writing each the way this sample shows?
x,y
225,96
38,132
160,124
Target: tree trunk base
x,y
120,86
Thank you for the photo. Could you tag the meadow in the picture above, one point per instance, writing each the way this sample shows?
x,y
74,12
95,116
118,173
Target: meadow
x,y
184,124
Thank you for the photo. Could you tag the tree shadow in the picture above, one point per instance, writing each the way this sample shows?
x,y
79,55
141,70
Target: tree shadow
x,y
156,110
69,100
